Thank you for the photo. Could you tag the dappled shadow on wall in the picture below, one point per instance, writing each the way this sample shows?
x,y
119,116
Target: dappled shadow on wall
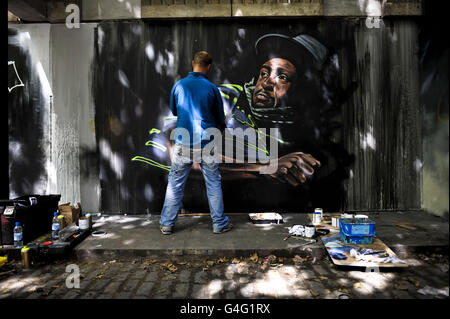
x,y
28,109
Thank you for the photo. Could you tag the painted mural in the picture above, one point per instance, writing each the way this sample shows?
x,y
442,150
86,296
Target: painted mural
x,y
285,78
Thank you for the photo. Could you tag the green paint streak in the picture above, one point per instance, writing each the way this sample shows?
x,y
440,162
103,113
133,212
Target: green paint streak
x,y
270,136
156,145
154,130
224,95
150,162
236,88
250,124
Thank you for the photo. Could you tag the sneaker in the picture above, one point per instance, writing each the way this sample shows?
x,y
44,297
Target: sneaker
x,y
166,230
223,230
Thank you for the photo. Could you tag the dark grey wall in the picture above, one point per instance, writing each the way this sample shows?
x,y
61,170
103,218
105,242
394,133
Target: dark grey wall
x,y
370,155
434,97
383,126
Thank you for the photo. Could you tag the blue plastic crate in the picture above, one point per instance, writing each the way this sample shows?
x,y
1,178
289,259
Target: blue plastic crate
x,y
356,230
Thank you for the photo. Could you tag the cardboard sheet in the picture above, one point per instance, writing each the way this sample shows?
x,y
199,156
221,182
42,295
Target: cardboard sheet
x,y
377,244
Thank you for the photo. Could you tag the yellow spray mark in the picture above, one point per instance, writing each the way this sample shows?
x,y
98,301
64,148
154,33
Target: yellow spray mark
x,y
235,87
154,131
150,162
156,145
224,95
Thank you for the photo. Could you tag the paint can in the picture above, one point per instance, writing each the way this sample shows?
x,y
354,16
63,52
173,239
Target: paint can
x,y
89,216
320,210
83,223
25,252
317,216
310,231
335,221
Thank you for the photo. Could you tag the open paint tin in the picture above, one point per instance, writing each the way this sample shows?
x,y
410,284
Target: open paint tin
x,y
266,218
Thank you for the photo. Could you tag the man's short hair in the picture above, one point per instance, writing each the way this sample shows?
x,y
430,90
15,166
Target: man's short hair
x,y
202,58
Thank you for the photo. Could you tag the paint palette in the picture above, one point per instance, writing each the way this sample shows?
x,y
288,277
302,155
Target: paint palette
x,y
266,218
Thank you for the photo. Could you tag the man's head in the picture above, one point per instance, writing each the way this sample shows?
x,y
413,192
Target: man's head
x,y
276,77
202,62
285,63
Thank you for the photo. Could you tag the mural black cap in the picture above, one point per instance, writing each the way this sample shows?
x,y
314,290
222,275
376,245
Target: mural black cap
x,y
301,50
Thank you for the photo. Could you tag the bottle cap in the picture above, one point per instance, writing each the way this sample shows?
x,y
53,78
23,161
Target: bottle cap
x,y
17,223
60,216
25,249
55,214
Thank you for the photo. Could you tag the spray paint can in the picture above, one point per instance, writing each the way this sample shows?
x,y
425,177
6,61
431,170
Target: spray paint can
x,y
25,252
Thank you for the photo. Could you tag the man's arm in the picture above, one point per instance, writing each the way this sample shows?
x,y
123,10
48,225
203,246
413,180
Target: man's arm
x,y
173,101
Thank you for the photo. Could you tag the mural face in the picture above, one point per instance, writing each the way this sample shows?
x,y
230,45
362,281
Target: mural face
x,y
286,81
275,79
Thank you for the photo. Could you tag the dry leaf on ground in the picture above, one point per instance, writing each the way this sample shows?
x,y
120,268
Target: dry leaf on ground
x,y
222,260
254,257
357,285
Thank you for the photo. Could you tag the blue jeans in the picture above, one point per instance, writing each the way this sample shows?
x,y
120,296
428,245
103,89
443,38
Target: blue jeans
x,y
179,171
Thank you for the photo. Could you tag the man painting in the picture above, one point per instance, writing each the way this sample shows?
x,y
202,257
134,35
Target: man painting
x,y
197,104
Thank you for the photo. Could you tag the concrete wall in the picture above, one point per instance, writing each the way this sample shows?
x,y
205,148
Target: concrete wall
x,y
73,129
61,59
96,10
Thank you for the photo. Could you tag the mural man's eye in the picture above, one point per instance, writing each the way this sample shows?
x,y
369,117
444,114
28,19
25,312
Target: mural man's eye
x,y
283,77
264,74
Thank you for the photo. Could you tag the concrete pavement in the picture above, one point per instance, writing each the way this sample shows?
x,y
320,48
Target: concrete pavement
x,y
133,260
139,235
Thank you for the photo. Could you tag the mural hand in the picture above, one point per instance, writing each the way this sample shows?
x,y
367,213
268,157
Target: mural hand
x,y
295,168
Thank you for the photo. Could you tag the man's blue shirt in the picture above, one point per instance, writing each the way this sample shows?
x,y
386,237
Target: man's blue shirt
x,y
197,103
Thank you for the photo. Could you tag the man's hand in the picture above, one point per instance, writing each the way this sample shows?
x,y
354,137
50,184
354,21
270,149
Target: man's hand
x,y
295,168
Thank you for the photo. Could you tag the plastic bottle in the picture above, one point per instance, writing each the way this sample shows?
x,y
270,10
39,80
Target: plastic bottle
x,y
55,227
18,236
